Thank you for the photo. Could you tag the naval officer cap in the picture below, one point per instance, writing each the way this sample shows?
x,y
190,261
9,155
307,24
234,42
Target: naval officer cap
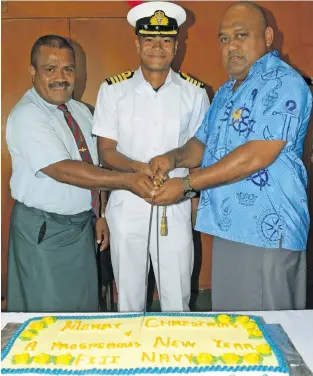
x,y
154,18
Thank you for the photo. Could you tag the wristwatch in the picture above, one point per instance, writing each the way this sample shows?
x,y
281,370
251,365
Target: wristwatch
x,y
188,191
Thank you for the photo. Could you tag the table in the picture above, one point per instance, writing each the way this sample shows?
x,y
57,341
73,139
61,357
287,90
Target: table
x,y
297,324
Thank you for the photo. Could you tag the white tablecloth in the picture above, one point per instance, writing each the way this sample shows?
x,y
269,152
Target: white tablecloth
x,y
297,324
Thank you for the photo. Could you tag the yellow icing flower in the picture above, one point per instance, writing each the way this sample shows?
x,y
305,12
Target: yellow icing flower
x,y
37,325
250,325
64,359
49,320
28,334
251,358
21,358
242,319
204,358
41,358
264,349
256,333
224,319
230,358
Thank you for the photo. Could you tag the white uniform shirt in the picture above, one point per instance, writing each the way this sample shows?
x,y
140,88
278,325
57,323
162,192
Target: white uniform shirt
x,y
146,123
38,136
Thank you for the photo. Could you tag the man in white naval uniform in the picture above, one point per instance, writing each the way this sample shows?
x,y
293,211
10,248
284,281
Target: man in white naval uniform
x,y
140,115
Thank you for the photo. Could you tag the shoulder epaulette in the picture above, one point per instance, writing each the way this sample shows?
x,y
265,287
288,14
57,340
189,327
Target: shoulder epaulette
x,y
191,80
120,77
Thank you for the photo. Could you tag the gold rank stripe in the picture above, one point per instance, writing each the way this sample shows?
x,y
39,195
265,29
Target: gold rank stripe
x,y
191,80
120,77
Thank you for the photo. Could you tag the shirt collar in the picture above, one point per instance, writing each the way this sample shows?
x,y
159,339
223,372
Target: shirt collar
x,y
139,80
261,65
52,107
264,63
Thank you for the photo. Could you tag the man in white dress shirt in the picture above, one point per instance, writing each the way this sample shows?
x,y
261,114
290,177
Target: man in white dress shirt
x,y
140,115
51,262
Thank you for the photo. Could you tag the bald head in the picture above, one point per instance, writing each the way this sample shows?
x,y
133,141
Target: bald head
x,y
244,38
256,11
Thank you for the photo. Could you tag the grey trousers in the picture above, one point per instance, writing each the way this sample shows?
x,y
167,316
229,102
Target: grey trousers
x,y
248,278
51,262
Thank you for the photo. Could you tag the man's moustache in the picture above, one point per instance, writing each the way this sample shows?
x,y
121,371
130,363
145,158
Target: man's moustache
x,y
64,84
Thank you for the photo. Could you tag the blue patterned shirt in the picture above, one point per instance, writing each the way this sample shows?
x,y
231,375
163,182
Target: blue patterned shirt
x,y
268,209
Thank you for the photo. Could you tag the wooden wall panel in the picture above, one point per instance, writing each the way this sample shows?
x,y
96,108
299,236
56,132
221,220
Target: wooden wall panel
x,y
65,9
18,37
109,47
206,265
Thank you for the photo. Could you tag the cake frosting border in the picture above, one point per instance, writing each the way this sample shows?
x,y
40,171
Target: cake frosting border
x,y
281,368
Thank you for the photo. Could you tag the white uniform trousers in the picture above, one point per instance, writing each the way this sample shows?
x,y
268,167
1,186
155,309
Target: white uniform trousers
x,y
128,220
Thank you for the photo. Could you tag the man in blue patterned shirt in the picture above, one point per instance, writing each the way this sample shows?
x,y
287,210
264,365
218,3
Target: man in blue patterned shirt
x,y
252,179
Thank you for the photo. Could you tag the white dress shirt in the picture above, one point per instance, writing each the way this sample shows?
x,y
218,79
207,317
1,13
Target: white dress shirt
x,y
146,123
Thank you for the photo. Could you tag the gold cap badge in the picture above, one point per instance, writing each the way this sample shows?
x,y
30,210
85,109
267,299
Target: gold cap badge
x,y
159,18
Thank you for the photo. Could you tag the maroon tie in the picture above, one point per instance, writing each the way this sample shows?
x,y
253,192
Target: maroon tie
x,y
82,148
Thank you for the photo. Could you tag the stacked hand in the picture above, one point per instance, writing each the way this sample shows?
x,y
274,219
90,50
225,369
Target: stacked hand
x,y
143,167
172,190
150,181
161,165
141,184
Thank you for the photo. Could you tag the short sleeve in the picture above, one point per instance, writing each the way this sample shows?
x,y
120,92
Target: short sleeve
x,y
31,134
282,115
105,121
200,109
202,132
